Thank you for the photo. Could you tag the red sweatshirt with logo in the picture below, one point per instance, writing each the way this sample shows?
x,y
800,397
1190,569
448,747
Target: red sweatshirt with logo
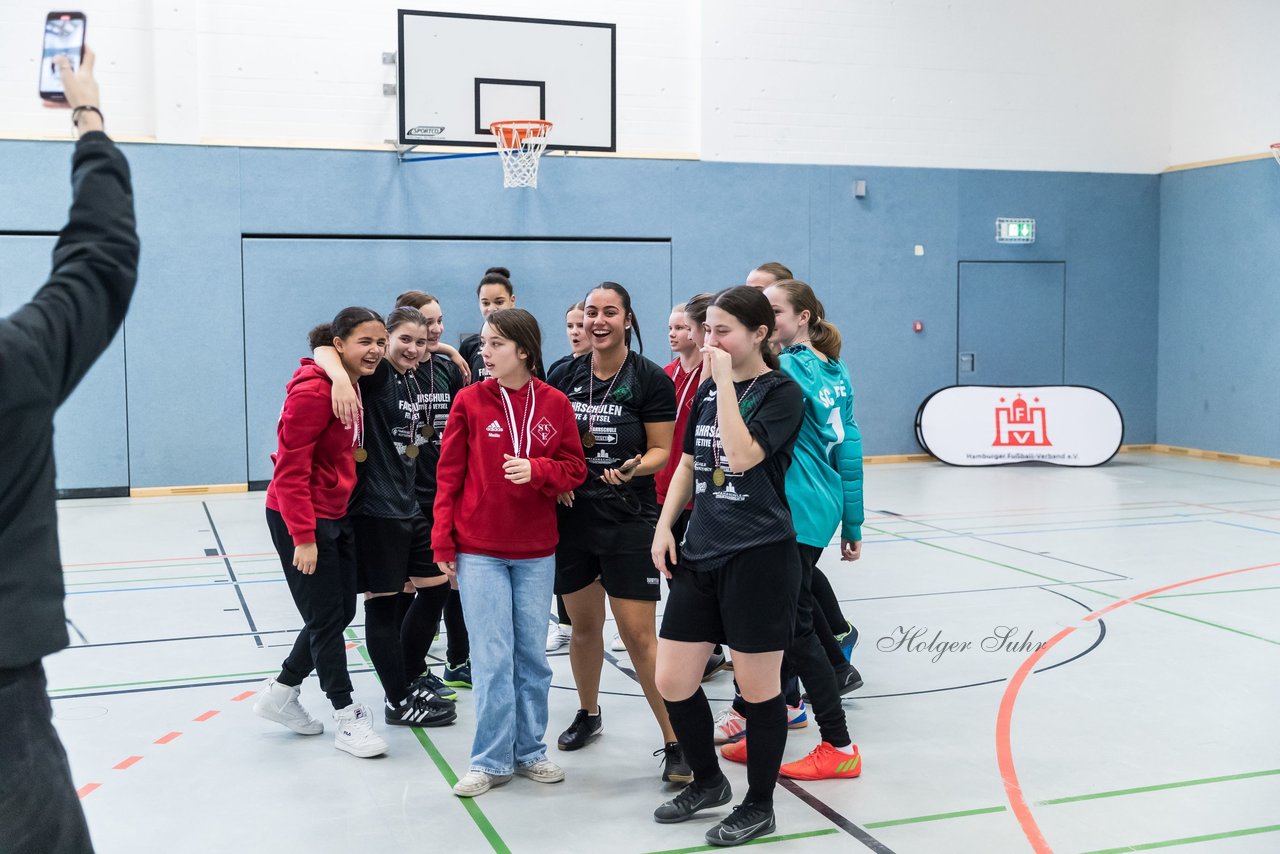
x,y
477,510
315,470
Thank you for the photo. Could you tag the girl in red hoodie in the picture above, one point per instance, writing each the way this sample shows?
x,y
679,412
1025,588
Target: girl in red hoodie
x,y
315,471
511,448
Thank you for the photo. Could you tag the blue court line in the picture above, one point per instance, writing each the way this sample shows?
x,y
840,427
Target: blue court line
x,y
228,584
1246,527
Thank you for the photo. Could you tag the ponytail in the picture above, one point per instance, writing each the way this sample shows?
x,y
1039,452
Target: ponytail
x,y
823,334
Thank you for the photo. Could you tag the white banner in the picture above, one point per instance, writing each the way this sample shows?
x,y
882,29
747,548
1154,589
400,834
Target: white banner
x,y
976,425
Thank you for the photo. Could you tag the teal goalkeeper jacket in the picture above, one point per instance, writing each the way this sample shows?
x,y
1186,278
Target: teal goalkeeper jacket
x,y
824,482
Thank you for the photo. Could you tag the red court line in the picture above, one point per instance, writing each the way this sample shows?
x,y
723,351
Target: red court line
x,y
239,698
1232,512
165,559
168,737
87,789
1004,719
207,715
127,763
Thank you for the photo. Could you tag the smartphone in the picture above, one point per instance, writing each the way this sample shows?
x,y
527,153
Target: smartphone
x,y
63,36
629,465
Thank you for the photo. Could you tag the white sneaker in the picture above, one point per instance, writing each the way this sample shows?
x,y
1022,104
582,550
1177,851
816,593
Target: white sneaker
x,y
729,726
477,783
542,771
279,703
558,636
355,732
617,645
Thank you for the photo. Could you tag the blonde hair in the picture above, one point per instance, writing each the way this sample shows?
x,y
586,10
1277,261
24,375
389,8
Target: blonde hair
x,y
823,334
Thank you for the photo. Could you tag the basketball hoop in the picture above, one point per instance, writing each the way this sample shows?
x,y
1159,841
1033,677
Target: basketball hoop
x,y
1275,150
520,145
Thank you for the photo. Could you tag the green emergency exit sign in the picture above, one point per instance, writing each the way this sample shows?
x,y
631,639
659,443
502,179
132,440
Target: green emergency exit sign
x,y
1015,230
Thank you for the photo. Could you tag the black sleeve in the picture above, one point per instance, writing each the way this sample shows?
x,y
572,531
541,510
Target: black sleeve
x,y
691,426
469,347
658,401
375,381
58,336
776,420
456,383
562,377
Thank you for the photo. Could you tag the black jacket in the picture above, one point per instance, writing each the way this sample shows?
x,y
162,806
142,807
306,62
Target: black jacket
x,y
46,348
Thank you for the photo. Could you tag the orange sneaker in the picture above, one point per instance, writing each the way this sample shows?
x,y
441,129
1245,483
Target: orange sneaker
x,y
735,751
824,762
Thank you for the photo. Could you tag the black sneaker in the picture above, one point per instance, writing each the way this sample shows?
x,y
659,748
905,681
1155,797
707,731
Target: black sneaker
x,y
584,730
430,685
691,799
714,665
674,768
745,823
417,710
848,680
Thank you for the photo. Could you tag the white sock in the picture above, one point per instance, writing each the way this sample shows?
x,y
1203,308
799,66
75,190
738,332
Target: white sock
x,y
847,750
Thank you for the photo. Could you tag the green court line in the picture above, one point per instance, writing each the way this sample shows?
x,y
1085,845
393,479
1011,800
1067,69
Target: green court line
x,y
143,580
1114,793
872,825
763,840
1183,616
469,804
1160,787
1188,840
1212,592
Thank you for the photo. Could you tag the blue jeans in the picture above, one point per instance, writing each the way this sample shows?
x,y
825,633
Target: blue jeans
x,y
505,602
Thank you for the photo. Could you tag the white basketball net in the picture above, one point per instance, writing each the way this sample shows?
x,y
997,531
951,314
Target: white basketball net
x,y
520,145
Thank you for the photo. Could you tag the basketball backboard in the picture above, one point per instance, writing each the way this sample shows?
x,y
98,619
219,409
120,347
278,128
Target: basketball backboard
x,y
459,72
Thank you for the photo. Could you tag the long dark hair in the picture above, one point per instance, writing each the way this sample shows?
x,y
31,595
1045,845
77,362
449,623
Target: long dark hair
x,y
752,309
342,326
521,328
823,334
497,276
695,307
627,313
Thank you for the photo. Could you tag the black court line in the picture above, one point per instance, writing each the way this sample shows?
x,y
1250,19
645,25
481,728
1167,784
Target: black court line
x,y
834,817
254,680
244,606
823,809
986,589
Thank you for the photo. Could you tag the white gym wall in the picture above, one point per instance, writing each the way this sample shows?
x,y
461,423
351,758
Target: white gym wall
x,y
1091,85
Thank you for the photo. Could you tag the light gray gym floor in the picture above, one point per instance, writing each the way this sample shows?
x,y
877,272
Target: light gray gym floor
x,y
1152,725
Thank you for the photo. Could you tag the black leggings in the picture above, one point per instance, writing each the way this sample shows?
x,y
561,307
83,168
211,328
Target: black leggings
x,y
326,600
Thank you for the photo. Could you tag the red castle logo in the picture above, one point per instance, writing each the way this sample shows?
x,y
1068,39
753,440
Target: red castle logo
x,y
1021,424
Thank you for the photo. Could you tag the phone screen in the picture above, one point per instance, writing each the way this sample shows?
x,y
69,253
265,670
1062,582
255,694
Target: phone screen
x,y
63,36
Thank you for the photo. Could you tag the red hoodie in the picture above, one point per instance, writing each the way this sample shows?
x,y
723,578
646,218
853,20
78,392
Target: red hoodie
x,y
315,470
477,510
686,387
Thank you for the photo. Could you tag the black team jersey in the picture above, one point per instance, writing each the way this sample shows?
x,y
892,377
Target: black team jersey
x,y
439,382
641,393
393,418
750,509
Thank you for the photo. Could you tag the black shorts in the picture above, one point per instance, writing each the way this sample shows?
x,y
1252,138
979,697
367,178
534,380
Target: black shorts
x,y
630,575
748,603
391,551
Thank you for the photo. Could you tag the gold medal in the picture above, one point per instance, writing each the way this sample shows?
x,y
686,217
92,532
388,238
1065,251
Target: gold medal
x,y
411,451
360,454
428,432
588,439
717,476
